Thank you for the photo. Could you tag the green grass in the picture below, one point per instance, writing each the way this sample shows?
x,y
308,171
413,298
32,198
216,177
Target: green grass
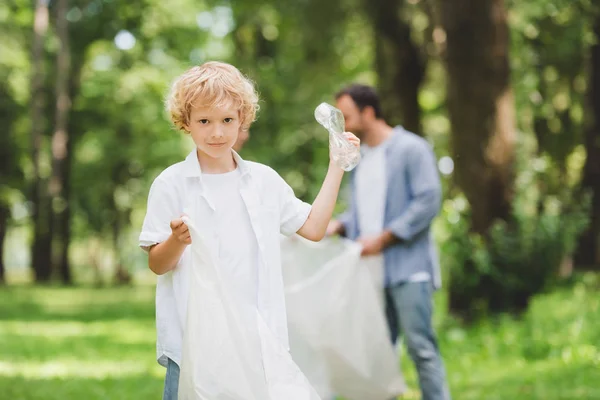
x,y
550,353
76,343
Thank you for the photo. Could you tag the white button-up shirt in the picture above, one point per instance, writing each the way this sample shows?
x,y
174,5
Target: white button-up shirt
x,y
273,209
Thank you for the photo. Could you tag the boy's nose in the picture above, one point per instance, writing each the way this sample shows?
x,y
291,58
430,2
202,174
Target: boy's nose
x,y
218,132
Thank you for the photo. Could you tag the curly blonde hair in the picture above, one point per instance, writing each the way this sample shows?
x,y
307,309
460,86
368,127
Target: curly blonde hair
x,y
212,84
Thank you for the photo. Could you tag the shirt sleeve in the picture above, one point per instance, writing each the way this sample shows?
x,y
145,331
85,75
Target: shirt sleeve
x,y
425,190
293,211
162,208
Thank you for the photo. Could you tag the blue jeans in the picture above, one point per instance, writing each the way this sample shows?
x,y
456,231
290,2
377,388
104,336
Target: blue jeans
x,y
409,311
171,381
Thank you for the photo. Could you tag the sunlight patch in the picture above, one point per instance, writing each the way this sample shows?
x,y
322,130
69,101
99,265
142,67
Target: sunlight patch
x,y
72,368
127,331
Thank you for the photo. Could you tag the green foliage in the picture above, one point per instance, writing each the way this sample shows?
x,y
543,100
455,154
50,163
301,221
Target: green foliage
x,y
550,352
519,257
299,54
549,75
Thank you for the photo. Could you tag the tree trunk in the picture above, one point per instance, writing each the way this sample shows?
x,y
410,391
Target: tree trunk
x,y
588,253
4,217
399,64
481,106
61,149
122,275
481,110
63,219
41,212
10,173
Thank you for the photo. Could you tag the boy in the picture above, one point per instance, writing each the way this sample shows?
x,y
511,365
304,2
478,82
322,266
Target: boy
x,y
245,206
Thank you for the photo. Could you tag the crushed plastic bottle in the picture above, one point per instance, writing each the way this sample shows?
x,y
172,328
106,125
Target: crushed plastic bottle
x,y
343,152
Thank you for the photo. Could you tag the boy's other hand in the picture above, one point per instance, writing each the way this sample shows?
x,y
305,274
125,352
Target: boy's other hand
x,y
180,231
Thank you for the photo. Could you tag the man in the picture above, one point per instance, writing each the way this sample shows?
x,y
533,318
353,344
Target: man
x,y
243,137
396,194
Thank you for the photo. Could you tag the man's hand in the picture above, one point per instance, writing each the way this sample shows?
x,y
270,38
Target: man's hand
x,y
371,245
334,227
180,231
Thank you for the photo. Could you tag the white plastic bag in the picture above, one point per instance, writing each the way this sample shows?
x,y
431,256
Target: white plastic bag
x,y
229,353
338,333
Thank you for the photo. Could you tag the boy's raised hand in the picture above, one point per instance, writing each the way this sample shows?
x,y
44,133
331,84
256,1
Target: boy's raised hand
x,y
180,231
335,151
352,138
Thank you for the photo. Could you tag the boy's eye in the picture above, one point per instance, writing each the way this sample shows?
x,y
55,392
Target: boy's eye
x,y
203,121
228,120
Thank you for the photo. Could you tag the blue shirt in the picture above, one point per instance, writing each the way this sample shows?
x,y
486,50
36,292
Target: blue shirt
x,y
413,199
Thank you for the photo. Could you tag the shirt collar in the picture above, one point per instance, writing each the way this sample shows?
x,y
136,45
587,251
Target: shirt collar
x,y
193,170
383,146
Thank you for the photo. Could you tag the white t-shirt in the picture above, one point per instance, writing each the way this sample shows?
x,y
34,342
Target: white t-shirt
x,y
272,209
237,247
371,189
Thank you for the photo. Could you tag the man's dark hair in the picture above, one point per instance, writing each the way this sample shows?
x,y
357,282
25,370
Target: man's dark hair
x,y
363,96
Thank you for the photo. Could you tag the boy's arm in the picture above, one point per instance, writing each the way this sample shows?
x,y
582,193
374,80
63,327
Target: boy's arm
x,y
163,257
163,237
315,226
317,223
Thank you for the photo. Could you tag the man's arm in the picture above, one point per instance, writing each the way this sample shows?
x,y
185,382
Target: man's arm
x,y
335,227
425,202
425,191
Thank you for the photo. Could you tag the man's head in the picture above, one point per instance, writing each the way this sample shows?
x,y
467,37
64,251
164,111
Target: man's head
x,y
213,102
360,106
243,137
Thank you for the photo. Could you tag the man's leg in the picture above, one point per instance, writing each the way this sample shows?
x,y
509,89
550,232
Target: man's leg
x,y
171,381
391,315
413,303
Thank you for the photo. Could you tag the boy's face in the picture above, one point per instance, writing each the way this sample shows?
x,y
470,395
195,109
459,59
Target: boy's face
x,y
214,130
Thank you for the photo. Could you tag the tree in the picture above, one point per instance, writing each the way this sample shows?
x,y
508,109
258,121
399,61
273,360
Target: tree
x,y
53,218
588,254
10,174
481,110
399,63
41,210
480,105
12,110
61,149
